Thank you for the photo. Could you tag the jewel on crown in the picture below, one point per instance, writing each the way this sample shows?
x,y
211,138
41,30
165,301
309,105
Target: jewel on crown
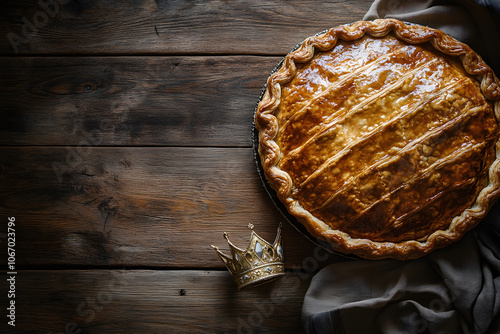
x,y
260,262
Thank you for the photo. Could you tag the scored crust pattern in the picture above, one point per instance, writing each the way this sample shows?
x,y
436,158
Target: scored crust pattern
x,y
277,146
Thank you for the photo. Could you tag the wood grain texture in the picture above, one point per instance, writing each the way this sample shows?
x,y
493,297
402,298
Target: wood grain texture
x,y
168,27
145,301
174,101
125,152
159,207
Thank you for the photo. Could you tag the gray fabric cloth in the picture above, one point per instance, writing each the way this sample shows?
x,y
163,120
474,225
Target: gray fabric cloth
x,y
476,23
453,290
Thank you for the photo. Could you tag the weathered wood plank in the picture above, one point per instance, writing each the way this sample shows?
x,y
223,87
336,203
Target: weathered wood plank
x,y
174,101
159,207
166,27
142,301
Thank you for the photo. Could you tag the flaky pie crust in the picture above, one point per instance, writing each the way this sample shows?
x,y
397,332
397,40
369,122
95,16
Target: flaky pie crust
x,y
266,123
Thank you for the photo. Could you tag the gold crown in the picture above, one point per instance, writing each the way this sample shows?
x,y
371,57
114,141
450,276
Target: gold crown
x,y
260,262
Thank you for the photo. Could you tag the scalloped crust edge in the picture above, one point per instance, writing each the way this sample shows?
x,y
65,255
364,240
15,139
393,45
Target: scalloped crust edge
x,y
267,125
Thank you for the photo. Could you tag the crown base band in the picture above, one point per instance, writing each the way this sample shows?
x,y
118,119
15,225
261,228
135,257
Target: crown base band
x,y
259,274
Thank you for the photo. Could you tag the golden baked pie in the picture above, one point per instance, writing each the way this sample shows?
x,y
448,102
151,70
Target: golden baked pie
x,y
381,138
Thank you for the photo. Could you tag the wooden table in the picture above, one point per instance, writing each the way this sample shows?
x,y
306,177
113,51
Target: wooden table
x,y
126,152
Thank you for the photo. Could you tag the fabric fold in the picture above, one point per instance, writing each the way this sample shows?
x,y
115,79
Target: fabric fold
x,y
450,291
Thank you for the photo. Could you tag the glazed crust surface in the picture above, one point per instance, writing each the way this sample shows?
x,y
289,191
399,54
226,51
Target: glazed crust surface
x,y
381,138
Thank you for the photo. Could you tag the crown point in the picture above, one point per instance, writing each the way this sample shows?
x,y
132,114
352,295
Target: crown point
x,y
260,262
